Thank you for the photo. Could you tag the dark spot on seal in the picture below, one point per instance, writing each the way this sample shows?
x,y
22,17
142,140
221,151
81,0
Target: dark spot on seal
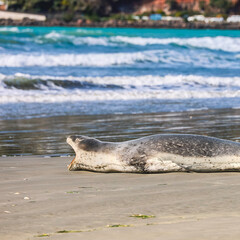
x,y
90,145
136,153
139,161
193,145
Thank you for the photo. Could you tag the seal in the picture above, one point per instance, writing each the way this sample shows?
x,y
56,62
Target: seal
x,y
155,154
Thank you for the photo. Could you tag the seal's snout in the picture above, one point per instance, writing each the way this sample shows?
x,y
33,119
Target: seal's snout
x,y
72,141
76,138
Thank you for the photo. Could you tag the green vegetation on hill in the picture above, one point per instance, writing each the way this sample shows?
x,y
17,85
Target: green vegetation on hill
x,y
224,5
100,7
94,9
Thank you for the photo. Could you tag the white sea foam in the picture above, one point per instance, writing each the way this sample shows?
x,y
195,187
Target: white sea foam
x,y
97,95
134,88
20,60
9,29
228,44
101,60
89,31
139,81
224,43
76,40
15,29
53,35
91,41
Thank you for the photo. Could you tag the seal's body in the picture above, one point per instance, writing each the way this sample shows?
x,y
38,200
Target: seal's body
x,y
156,153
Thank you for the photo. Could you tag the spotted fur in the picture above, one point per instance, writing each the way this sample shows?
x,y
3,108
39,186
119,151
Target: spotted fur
x,y
156,153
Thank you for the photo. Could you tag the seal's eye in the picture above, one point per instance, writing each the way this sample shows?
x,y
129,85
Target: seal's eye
x,y
73,138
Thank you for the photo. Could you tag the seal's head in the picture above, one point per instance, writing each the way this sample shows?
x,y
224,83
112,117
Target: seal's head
x,y
83,142
86,150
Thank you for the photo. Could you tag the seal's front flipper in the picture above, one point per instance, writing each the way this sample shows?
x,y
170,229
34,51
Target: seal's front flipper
x,y
157,165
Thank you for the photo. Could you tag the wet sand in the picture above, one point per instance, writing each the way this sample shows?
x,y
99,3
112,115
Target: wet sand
x,y
47,136
39,197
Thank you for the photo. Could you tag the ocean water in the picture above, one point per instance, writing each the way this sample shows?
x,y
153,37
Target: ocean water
x,y
60,75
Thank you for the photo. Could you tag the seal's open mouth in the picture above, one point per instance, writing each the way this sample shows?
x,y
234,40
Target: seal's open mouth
x,y
71,141
70,166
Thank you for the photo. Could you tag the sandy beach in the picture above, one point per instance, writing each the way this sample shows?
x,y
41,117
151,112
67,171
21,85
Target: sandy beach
x,y
40,198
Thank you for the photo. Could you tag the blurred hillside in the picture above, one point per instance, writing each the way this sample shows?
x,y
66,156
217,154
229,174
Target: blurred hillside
x,y
104,8
99,7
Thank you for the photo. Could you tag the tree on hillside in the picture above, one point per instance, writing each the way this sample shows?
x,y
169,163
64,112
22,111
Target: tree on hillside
x,y
222,5
101,7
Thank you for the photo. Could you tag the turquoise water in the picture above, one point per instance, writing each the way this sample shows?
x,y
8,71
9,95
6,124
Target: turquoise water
x,y
52,71
115,84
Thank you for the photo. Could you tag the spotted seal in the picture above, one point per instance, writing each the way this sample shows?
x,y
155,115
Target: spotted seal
x,y
156,153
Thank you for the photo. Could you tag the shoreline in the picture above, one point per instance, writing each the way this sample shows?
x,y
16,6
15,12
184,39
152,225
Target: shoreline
x,y
122,24
41,198
28,141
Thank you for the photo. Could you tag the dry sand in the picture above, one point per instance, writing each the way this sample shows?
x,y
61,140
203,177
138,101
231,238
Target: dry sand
x,y
98,206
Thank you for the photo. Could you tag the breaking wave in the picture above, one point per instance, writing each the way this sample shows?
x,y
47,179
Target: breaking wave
x,y
110,59
95,37
227,44
58,69
27,88
54,37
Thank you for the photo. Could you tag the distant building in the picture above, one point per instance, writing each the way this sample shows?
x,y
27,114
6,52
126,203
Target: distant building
x,y
170,18
199,18
145,18
214,19
20,16
233,18
155,17
136,18
3,5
